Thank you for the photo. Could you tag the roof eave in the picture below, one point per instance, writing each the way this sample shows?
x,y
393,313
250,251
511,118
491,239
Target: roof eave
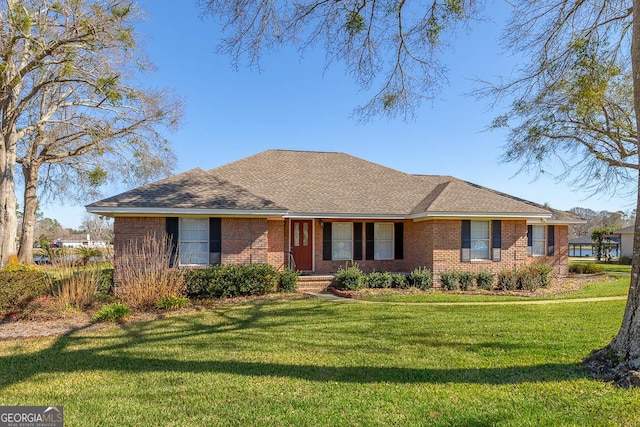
x,y
496,215
122,211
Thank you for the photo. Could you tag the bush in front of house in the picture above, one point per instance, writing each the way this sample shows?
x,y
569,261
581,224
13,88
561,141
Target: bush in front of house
x,y
450,280
542,272
508,280
484,279
527,280
585,268
377,279
288,281
465,279
18,286
399,281
421,278
112,312
349,277
228,281
172,302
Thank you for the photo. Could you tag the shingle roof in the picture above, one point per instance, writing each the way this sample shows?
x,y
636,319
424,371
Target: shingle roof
x,y
324,183
189,190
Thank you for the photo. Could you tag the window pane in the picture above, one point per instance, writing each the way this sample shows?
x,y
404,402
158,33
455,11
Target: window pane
x,y
538,240
383,240
296,234
194,241
479,239
305,234
341,240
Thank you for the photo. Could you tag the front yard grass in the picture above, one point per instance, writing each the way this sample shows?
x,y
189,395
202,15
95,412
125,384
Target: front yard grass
x,y
309,363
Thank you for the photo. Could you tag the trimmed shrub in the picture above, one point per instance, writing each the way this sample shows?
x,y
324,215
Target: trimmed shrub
x,y
172,302
349,278
484,279
527,280
465,279
112,312
18,287
450,280
288,280
508,280
399,281
230,281
421,278
543,273
585,268
378,279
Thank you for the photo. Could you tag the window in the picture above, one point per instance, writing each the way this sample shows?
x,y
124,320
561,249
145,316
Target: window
x,y
194,241
383,240
479,239
342,241
538,243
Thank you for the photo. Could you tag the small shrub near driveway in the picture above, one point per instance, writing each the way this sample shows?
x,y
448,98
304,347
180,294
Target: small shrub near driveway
x,y
112,313
349,278
421,278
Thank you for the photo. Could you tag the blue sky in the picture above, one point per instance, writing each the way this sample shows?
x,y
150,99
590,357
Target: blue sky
x,y
294,103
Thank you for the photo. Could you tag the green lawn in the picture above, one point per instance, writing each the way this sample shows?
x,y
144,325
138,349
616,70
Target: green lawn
x,y
308,363
605,288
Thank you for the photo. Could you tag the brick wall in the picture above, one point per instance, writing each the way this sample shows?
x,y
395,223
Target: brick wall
x,y
447,254
245,240
560,259
134,229
277,243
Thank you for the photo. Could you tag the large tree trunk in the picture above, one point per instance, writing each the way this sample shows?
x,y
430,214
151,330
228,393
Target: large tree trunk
x,y
30,173
620,360
8,215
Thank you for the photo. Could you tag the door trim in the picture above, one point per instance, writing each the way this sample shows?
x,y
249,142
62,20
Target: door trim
x,y
313,240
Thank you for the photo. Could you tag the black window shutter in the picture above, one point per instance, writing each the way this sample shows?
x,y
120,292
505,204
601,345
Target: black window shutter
x,y
496,239
357,240
398,244
370,239
530,239
215,235
551,237
326,241
465,253
173,229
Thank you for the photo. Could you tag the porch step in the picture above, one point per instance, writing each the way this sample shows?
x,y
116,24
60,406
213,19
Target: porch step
x,y
314,283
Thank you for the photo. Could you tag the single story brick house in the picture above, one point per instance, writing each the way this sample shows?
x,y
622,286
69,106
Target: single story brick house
x,y
319,210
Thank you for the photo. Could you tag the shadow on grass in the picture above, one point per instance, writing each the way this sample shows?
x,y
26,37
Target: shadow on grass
x,y
135,351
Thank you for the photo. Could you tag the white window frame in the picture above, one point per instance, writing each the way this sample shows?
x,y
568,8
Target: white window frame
x,y
543,248
338,244
477,241
378,241
182,222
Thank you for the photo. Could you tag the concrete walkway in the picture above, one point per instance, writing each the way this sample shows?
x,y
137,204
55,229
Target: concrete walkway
x,y
328,296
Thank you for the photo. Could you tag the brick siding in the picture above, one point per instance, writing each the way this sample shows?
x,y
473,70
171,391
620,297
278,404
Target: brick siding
x,y
245,240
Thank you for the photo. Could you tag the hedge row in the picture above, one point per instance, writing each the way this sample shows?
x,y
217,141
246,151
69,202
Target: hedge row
x,y
351,278
238,280
18,288
529,278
